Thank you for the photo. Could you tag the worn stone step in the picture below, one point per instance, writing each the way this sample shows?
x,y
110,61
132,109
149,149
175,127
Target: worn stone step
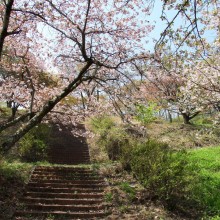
x,y
61,201
69,208
67,175
101,181
60,214
62,173
53,177
63,185
63,190
65,151
62,169
63,195
48,170
69,162
68,155
65,159
72,154
69,149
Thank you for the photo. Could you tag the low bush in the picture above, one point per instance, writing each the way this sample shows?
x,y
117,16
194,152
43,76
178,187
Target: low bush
x,y
15,171
146,114
187,181
33,146
111,136
126,187
163,172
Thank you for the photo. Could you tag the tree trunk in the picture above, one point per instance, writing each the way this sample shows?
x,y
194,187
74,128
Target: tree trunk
x,y
45,110
186,118
13,112
170,117
6,125
4,32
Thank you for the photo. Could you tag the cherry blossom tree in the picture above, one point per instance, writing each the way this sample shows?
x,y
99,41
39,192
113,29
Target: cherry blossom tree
x,y
99,40
188,42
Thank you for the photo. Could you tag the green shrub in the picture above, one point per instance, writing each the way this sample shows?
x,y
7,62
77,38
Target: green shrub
x,y
108,197
126,187
146,114
33,146
101,124
162,171
111,137
202,120
14,171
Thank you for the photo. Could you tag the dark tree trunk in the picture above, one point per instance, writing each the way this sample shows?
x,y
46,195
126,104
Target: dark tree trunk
x,y
6,125
14,107
4,32
186,118
170,117
13,112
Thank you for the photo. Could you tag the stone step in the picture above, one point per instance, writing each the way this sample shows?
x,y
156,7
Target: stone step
x,y
83,149
54,177
101,181
60,178
72,153
61,201
72,145
63,195
68,154
69,162
69,208
63,190
63,185
68,157
20,215
63,169
63,173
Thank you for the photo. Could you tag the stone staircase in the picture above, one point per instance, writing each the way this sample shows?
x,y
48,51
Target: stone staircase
x,y
65,148
56,192
64,191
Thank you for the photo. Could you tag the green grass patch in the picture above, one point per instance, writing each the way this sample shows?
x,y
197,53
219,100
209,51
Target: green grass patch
x,y
127,188
15,171
207,191
13,176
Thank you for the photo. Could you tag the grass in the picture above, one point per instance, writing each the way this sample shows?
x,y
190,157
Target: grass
x,y
208,190
178,135
15,170
126,187
13,176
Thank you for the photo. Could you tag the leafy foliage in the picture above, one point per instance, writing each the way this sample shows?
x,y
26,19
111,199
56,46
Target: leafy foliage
x,y
163,172
126,187
110,136
15,171
33,146
146,114
183,180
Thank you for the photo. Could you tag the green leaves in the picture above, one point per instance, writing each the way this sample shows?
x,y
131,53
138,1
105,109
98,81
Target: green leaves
x,y
33,146
146,114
